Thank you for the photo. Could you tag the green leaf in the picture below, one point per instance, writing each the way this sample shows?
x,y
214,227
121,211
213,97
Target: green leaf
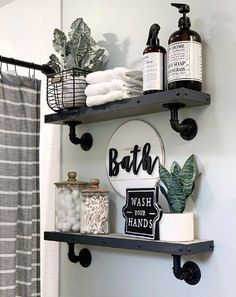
x,y
92,59
188,175
70,62
59,42
176,198
54,63
80,50
78,28
175,168
163,191
164,175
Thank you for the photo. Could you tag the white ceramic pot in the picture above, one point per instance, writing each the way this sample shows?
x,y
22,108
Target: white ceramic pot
x,y
177,227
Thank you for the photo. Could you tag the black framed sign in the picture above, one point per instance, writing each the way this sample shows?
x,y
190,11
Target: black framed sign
x,y
142,212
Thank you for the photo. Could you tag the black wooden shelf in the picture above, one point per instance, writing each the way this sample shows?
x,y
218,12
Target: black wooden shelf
x,y
189,272
150,103
115,240
171,100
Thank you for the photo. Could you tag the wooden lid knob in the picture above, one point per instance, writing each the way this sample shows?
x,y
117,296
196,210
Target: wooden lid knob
x,y
71,176
94,187
94,183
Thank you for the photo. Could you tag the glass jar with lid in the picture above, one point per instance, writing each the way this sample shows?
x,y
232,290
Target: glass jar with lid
x,y
94,209
68,203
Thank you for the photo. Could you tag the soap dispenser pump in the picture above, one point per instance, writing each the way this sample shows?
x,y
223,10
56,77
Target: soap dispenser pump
x,y
184,54
154,63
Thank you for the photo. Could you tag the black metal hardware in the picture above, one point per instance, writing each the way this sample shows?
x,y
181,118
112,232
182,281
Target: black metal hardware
x,y
147,104
86,140
190,272
123,242
188,128
84,257
45,69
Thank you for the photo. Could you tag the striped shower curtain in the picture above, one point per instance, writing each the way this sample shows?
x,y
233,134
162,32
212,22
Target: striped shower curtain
x,y
19,186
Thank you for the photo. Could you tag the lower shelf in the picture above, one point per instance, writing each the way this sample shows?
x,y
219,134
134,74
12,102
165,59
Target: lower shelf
x,y
115,240
189,272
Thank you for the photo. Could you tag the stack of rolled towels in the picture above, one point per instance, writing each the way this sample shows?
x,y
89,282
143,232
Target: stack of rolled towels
x,y
113,84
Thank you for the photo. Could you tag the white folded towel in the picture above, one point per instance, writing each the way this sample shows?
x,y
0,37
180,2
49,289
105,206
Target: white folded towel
x,y
109,97
130,76
113,85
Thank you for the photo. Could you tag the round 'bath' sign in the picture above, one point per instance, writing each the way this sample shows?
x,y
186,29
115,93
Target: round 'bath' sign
x,y
133,154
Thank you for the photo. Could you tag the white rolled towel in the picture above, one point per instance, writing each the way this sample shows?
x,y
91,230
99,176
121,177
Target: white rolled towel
x,y
130,76
113,85
109,97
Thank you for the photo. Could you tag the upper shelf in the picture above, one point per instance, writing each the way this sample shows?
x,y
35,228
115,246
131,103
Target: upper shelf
x,y
120,241
131,107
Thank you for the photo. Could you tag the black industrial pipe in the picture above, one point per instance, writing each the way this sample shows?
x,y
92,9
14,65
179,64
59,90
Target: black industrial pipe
x,y
45,69
190,272
84,257
86,140
188,128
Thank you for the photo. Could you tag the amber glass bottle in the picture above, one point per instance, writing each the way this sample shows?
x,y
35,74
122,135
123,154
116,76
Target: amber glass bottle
x,y
154,63
184,55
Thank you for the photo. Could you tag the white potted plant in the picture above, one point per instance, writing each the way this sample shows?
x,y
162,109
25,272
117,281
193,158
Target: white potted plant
x,y
176,186
78,54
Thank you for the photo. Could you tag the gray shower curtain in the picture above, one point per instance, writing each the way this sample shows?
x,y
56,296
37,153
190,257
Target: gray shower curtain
x,y
19,186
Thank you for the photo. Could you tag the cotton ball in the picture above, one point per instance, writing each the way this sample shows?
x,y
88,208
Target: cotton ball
x,y
77,216
60,194
66,191
59,226
60,214
71,212
66,227
75,194
69,202
77,209
76,227
71,220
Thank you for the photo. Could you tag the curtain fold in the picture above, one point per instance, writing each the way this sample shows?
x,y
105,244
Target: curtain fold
x,y
19,186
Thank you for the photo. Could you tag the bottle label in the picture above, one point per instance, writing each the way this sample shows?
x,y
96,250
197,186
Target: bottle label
x,y
153,68
185,61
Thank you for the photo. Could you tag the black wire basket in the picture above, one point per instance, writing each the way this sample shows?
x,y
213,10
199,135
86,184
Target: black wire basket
x,y
65,90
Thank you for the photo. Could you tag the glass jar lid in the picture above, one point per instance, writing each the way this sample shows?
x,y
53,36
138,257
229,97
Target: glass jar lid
x,y
71,180
94,187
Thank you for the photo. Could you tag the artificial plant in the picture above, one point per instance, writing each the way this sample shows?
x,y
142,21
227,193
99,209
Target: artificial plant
x,y
79,50
178,184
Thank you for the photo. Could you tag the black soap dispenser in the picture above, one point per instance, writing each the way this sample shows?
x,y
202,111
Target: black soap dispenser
x,y
154,63
184,54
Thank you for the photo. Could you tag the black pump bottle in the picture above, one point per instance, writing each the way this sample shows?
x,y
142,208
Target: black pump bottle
x,y
154,63
184,54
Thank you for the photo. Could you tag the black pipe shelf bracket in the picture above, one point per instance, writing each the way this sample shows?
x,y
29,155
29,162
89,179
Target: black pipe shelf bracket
x,y
188,128
189,272
84,257
86,140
